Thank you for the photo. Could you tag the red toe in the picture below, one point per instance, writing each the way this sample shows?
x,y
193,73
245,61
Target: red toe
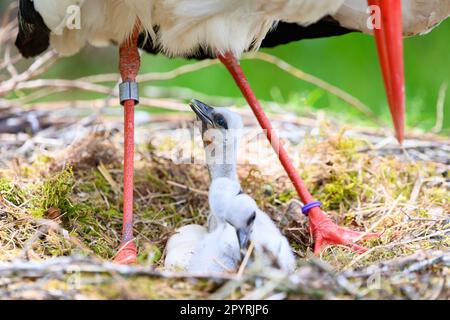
x,y
325,232
127,254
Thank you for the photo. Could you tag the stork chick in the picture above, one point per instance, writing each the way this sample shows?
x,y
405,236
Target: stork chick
x,y
255,225
217,252
227,201
181,246
251,223
195,250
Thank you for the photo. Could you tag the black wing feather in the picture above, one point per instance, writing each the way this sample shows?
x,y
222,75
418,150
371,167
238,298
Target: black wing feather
x,y
33,37
284,32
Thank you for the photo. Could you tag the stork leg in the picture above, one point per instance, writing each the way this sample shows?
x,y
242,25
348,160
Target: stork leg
x,y
389,40
322,228
129,63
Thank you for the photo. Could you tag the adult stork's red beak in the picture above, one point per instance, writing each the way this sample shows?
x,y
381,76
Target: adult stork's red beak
x,y
390,50
389,39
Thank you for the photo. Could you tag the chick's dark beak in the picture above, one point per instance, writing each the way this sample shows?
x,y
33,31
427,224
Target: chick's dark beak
x,y
204,112
243,237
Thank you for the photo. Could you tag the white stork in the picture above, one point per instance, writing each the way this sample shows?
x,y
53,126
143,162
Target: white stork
x,y
215,28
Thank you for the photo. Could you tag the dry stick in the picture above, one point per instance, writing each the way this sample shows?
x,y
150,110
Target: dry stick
x,y
63,84
415,191
99,103
87,86
437,292
12,60
246,259
82,83
389,245
445,258
96,103
8,32
283,65
154,76
61,265
43,228
9,64
370,229
38,94
377,223
440,108
411,263
38,66
112,77
55,85
6,21
182,186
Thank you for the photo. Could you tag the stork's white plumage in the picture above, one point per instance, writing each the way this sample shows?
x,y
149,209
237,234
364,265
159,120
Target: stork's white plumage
x,y
192,248
419,16
222,192
183,26
255,225
101,21
217,252
233,25
181,246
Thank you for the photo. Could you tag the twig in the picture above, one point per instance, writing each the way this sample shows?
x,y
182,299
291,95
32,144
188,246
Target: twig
x,y
44,227
37,67
182,186
61,265
394,244
415,262
440,108
246,259
154,76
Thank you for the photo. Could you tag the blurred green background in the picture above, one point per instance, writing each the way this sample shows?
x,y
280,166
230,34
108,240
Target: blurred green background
x,y
348,62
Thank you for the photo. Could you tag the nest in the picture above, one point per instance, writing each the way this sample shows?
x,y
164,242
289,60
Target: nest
x,y
66,204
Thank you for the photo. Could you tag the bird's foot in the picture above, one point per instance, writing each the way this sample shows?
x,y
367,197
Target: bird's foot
x,y
325,232
127,253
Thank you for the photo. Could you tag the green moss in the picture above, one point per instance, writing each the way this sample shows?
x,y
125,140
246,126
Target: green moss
x,y
150,254
54,192
287,196
110,213
101,183
27,171
346,147
42,159
439,196
86,187
11,192
340,188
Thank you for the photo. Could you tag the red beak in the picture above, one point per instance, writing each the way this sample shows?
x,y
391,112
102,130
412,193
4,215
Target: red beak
x,y
389,39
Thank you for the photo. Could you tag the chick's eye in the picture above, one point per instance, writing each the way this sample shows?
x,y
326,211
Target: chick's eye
x,y
220,121
251,219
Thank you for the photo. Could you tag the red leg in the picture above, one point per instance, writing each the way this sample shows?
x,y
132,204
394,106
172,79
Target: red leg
x,y
389,40
322,228
129,64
